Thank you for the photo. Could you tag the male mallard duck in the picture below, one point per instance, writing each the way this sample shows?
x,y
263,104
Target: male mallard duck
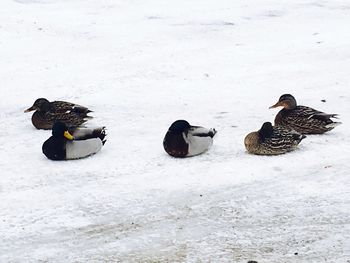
x,y
301,118
184,140
46,113
64,146
271,140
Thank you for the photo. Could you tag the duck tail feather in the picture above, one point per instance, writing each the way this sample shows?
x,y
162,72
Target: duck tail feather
x,y
333,124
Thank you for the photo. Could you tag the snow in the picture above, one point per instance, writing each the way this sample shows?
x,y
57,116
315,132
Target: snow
x,y
140,65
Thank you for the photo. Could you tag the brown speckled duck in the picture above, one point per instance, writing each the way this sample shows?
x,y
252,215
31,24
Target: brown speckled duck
x,y
47,113
303,119
272,140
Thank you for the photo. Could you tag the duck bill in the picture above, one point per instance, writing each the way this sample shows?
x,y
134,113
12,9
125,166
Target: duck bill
x,y
31,109
68,136
278,104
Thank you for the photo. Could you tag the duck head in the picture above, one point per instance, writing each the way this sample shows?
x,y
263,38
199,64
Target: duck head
x,y
179,126
265,131
286,101
40,104
59,130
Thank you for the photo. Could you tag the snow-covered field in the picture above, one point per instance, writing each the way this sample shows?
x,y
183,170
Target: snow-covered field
x,y
140,65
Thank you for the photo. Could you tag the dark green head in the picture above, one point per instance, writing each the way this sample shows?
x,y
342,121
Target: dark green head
x,y
179,126
59,130
266,131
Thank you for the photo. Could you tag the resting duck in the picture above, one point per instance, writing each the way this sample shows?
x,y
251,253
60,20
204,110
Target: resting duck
x,y
46,113
64,146
301,118
271,140
184,140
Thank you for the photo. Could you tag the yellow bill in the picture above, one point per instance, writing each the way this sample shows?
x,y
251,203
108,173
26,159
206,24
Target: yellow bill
x,y
68,135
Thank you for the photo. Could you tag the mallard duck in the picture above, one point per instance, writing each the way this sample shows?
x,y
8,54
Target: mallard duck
x,y
271,140
301,118
46,113
62,145
184,140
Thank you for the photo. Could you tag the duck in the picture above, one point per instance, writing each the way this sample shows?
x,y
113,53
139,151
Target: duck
x,y
46,113
303,119
63,145
272,140
185,140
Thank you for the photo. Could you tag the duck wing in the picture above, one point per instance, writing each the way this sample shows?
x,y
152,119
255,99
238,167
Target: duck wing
x,y
202,132
90,133
307,120
64,106
310,113
71,119
283,138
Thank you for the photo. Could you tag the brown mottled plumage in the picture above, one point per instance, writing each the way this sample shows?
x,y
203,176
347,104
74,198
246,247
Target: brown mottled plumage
x,y
271,140
47,113
303,119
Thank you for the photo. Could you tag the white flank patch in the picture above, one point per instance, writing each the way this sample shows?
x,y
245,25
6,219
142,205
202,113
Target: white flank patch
x,y
83,148
197,144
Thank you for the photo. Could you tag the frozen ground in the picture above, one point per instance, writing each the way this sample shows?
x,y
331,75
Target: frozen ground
x,y
141,65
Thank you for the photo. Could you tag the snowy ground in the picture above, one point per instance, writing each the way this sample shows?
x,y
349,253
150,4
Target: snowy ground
x,y
140,65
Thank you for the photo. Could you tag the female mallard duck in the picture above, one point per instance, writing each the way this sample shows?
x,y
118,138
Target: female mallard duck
x,y
64,146
271,140
46,113
184,140
301,118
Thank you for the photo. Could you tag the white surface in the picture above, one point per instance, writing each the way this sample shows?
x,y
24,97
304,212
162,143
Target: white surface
x,y
140,65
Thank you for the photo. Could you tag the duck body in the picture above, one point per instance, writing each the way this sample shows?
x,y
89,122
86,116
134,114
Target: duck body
x,y
47,113
303,119
272,140
45,120
184,140
306,120
63,146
